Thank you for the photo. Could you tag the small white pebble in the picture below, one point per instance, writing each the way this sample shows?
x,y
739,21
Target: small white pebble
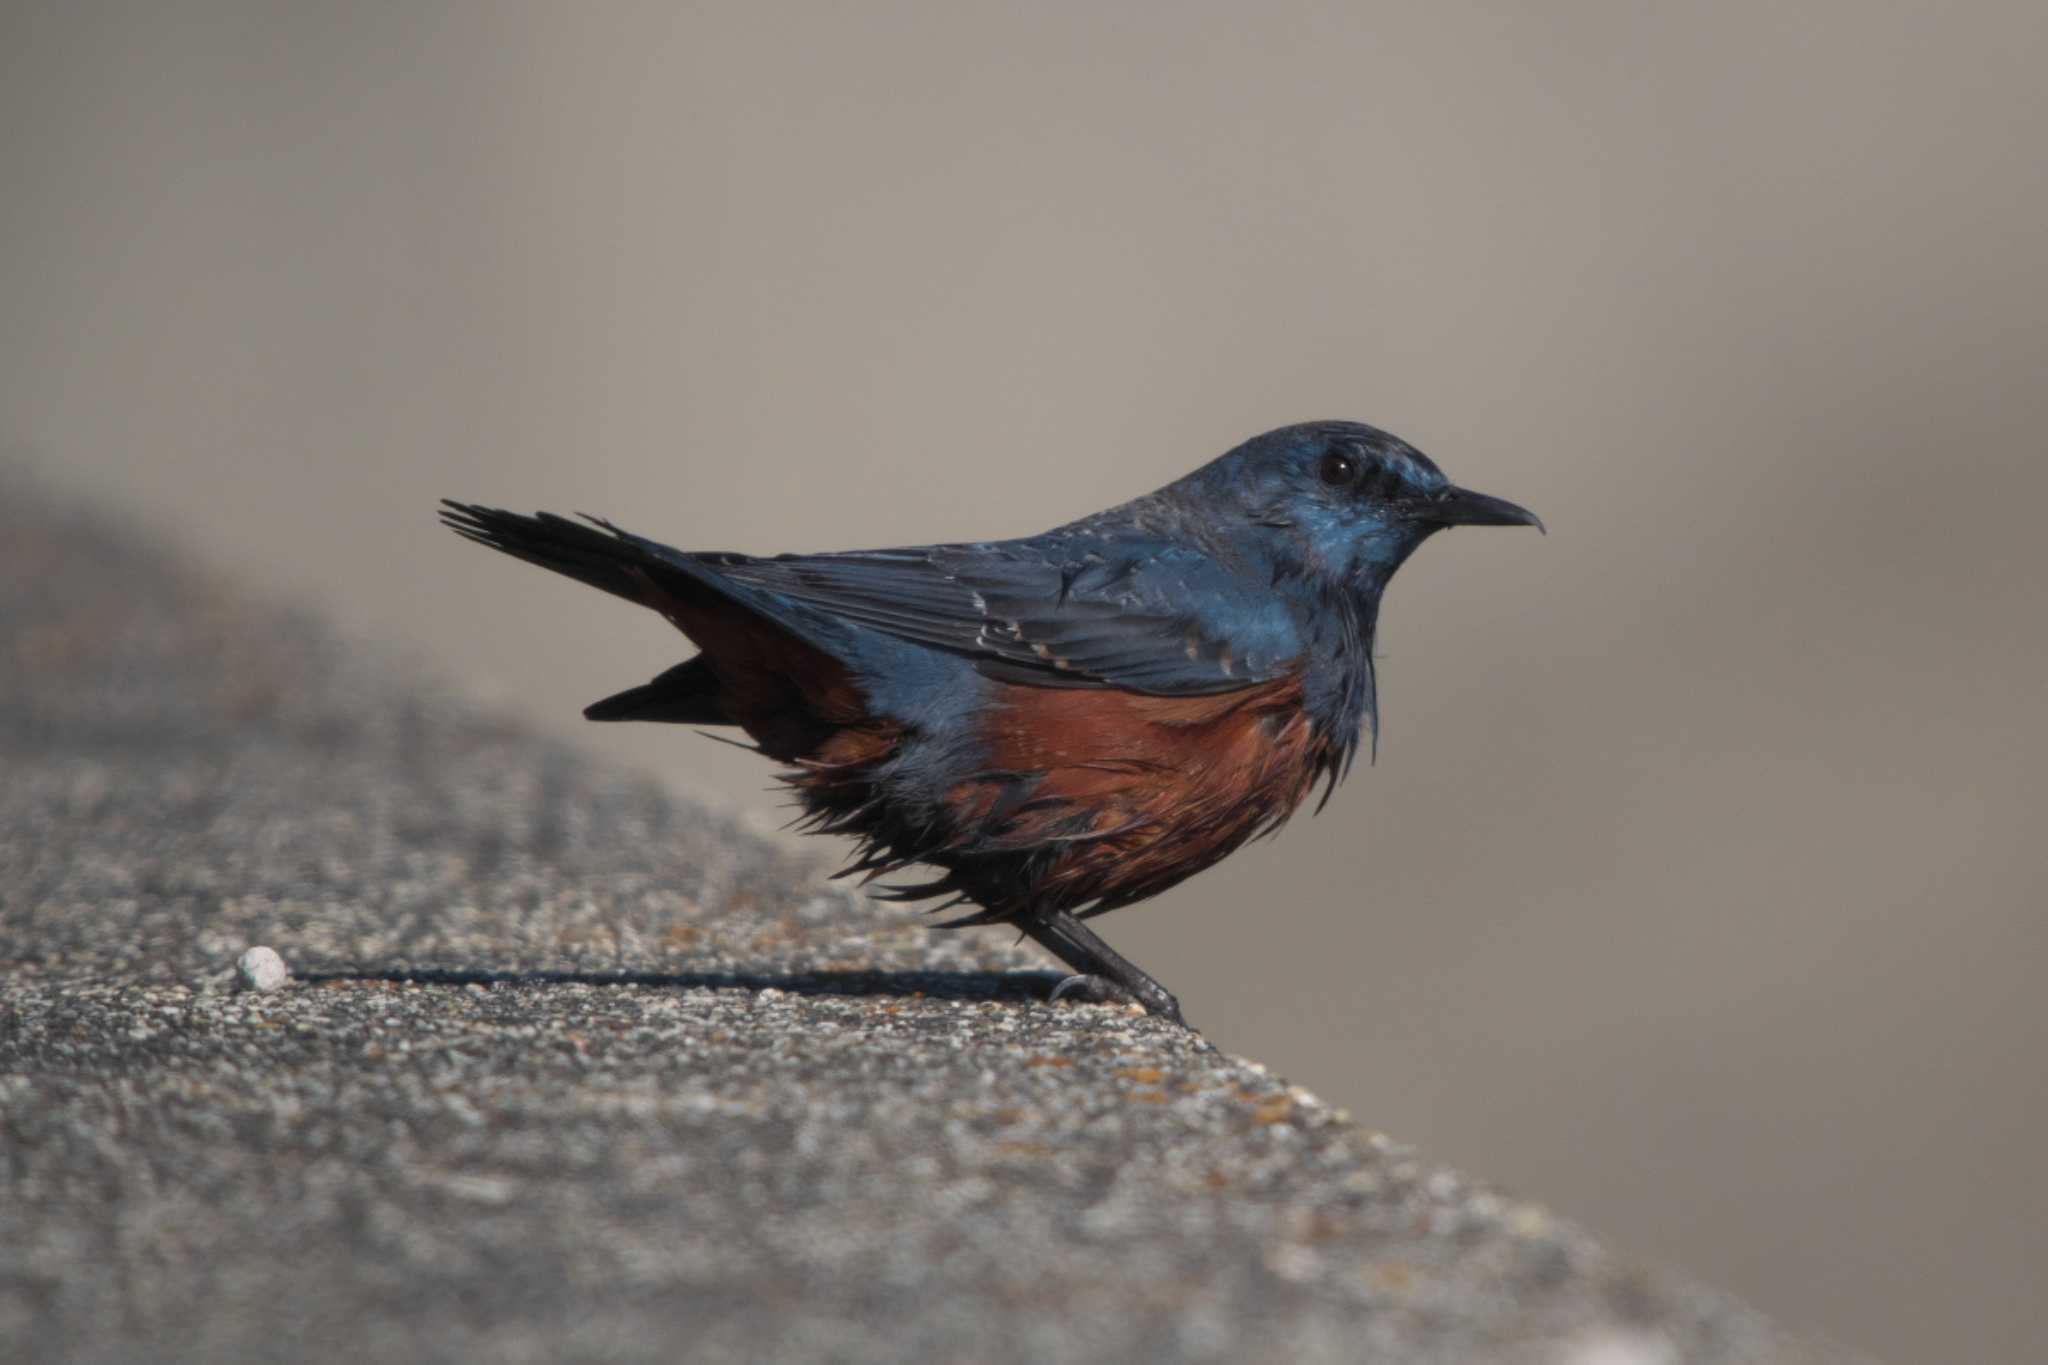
x,y
261,969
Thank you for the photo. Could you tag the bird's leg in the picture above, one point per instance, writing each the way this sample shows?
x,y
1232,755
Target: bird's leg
x,y
1105,975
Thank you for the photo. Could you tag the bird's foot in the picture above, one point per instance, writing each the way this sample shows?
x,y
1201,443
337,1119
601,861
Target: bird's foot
x,y
1092,990
1100,990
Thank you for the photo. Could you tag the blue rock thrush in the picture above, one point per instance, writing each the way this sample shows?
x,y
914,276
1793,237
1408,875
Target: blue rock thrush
x,y
1062,724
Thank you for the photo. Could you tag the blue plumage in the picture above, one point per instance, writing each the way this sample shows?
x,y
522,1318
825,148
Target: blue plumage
x,y
1065,722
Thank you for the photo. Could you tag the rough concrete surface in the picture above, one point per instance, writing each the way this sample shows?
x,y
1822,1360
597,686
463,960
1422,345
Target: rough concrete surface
x,y
567,1069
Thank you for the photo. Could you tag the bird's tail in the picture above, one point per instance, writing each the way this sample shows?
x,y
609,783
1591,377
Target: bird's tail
x,y
671,581
773,653
684,695
589,551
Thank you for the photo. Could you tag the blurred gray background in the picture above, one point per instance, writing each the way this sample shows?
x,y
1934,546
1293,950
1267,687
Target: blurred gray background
x,y
1699,888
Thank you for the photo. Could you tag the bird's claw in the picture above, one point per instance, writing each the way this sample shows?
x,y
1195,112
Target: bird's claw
x,y
1100,990
1093,990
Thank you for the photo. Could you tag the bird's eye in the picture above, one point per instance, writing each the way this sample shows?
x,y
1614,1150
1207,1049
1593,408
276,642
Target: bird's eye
x,y
1339,468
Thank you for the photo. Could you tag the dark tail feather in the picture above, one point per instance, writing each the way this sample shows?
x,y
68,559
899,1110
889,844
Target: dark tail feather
x,y
596,552
582,552
685,695
777,661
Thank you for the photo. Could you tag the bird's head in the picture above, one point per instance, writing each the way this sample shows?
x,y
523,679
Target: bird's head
x,y
1349,501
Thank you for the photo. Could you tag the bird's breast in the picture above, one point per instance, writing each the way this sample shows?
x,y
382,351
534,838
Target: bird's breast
x,y
1128,793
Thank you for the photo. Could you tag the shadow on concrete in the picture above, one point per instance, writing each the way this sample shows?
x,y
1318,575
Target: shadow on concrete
x,y
977,986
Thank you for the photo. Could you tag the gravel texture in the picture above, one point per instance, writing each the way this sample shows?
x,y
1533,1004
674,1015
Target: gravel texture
x,y
567,1069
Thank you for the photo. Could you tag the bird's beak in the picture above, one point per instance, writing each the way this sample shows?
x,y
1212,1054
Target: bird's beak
x,y
1463,507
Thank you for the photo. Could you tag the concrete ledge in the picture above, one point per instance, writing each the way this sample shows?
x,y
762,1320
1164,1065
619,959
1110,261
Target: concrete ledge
x,y
568,1070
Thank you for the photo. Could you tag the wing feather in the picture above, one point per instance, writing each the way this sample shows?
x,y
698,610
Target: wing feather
x,y
1158,619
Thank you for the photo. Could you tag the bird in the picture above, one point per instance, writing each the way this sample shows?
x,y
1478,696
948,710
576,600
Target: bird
x,y
1062,724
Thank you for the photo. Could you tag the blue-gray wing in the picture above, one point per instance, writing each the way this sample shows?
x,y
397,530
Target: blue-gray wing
x,y
1148,617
